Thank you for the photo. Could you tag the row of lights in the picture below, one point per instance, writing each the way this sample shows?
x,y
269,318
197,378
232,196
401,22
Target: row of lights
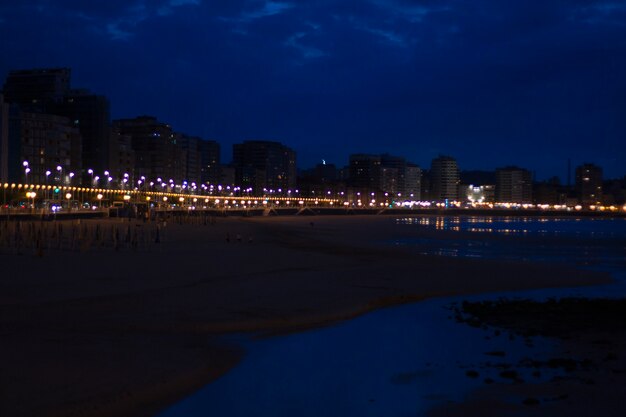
x,y
372,203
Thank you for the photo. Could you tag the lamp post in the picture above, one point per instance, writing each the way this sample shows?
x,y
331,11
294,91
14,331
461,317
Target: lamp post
x,y
45,194
90,172
99,196
26,170
32,195
68,196
60,171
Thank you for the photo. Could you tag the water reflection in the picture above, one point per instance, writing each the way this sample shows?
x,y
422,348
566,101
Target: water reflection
x,y
588,227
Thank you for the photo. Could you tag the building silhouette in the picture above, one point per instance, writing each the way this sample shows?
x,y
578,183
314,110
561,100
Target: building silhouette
x,y
514,185
412,182
385,173
4,140
90,113
444,178
210,170
365,172
121,156
154,144
47,91
264,165
37,90
38,144
589,184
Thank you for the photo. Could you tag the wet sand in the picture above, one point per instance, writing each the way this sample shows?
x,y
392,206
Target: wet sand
x,y
92,331
585,376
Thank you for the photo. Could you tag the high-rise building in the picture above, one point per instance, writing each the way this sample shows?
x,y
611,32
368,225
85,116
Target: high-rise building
x,y
209,162
47,91
90,113
365,172
155,147
121,156
35,90
264,164
393,170
190,145
38,144
513,185
412,182
589,184
4,140
385,174
444,178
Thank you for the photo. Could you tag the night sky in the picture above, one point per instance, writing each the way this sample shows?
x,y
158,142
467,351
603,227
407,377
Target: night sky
x,y
490,82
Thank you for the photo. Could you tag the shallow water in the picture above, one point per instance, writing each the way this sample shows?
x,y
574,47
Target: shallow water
x,y
404,360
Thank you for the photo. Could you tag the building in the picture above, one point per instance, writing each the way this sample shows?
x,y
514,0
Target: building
x,y
393,171
154,144
36,90
4,140
264,165
412,182
444,178
43,148
190,148
47,91
320,180
121,157
589,184
365,172
479,193
90,113
513,185
210,171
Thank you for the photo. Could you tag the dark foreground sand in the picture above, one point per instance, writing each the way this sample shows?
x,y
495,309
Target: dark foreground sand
x,y
91,331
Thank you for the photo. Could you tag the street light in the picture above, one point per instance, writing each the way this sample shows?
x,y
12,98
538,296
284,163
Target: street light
x,y
32,195
90,172
68,196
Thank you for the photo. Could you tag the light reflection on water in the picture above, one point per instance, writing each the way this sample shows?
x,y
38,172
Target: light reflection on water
x,y
581,227
402,361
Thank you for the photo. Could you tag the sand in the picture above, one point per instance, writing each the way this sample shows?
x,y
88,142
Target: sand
x,y
92,331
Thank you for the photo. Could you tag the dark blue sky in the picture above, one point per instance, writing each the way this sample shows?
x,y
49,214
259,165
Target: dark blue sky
x,y
489,82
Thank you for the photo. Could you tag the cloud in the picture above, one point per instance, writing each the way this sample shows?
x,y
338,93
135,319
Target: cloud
x,y
409,11
167,8
387,35
268,8
601,13
308,52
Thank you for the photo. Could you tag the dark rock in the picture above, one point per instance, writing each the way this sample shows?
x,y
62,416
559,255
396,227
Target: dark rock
x,y
530,401
472,374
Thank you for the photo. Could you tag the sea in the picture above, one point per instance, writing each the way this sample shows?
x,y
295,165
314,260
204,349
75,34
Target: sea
x,y
406,360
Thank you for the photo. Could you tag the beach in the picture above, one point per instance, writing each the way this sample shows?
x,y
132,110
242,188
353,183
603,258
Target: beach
x,y
96,329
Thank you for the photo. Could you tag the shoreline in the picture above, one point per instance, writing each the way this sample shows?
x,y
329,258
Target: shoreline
x,y
313,211
172,300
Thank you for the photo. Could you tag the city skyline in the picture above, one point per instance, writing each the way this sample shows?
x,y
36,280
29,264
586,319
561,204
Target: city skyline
x,y
329,80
